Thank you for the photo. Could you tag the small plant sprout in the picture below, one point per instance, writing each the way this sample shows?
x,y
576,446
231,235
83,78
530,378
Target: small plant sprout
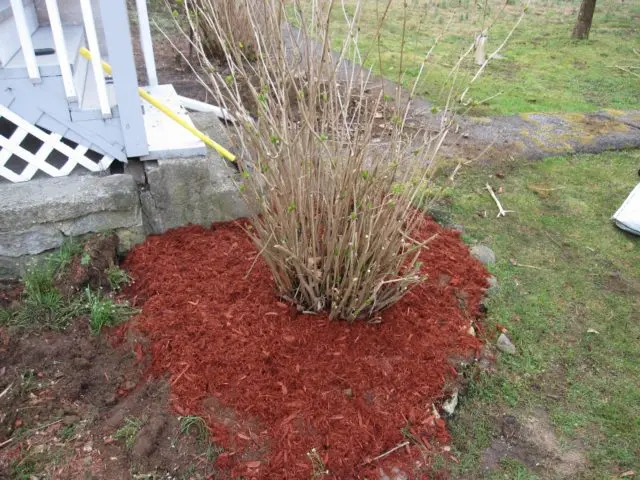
x,y
317,464
128,432
196,424
117,277
104,312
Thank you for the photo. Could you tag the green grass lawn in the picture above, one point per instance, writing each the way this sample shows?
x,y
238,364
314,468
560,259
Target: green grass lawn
x,y
586,276
543,70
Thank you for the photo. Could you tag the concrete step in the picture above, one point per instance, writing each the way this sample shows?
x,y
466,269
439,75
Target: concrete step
x,y
48,64
9,41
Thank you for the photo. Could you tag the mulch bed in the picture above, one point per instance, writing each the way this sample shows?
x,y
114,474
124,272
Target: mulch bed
x,y
273,383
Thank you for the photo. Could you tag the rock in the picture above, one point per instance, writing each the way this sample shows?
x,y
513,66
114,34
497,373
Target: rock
x,y
198,190
493,286
457,227
148,437
70,420
382,475
484,254
34,240
81,363
450,405
129,385
398,474
67,199
38,215
505,345
348,392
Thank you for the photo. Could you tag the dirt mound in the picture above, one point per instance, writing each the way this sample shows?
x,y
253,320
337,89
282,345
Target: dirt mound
x,y
291,395
90,267
66,395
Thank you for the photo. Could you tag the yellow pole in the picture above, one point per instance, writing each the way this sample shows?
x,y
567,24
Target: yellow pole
x,y
170,113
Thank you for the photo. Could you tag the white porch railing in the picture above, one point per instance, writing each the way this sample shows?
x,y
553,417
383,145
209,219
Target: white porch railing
x,y
61,52
146,43
112,19
96,60
25,40
61,49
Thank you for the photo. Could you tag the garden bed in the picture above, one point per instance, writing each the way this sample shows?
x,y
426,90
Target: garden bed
x,y
217,377
290,395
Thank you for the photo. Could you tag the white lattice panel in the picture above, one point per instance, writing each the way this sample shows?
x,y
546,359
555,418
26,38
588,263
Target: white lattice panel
x,y
26,149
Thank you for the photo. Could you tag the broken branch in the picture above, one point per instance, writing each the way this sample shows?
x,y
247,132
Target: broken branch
x,y
501,211
388,452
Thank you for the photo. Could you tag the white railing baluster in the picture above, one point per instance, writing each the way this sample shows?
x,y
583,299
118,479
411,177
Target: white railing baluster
x,y
25,41
96,58
146,42
61,50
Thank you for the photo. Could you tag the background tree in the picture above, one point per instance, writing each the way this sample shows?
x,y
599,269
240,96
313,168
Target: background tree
x,y
585,17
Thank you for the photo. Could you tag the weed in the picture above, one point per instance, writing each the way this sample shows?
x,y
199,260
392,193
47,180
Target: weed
x,y
85,259
129,431
104,312
212,452
197,425
29,380
23,469
67,432
191,423
317,464
42,304
117,277
62,258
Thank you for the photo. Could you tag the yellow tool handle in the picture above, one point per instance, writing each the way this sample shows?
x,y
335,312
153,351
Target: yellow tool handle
x,y
170,113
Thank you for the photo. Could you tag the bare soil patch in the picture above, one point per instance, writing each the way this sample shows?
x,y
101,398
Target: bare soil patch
x,y
69,393
532,441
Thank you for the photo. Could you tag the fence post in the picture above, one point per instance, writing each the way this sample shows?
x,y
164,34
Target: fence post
x,y
125,81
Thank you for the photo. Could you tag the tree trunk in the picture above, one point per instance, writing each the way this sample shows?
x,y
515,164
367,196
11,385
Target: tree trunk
x,y
585,17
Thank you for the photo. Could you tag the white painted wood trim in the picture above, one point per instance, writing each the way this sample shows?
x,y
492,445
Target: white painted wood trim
x,y
61,50
96,59
198,106
25,40
146,42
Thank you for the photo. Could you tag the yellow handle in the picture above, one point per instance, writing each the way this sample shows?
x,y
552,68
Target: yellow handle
x,y
168,112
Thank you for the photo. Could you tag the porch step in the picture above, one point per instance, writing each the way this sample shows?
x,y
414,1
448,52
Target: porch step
x,y
166,138
9,41
48,64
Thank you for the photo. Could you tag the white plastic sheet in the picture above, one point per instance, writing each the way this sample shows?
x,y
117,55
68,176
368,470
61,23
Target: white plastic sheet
x,y
628,215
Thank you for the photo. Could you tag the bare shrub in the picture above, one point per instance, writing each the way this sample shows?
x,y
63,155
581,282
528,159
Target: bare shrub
x,y
236,18
334,203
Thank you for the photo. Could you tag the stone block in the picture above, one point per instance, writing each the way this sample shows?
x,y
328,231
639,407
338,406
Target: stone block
x,y
37,239
54,200
198,190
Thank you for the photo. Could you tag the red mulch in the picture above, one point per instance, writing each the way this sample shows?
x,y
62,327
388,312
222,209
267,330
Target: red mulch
x,y
273,384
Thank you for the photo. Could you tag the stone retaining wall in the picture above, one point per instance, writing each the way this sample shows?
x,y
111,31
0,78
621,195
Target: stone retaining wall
x,y
150,197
